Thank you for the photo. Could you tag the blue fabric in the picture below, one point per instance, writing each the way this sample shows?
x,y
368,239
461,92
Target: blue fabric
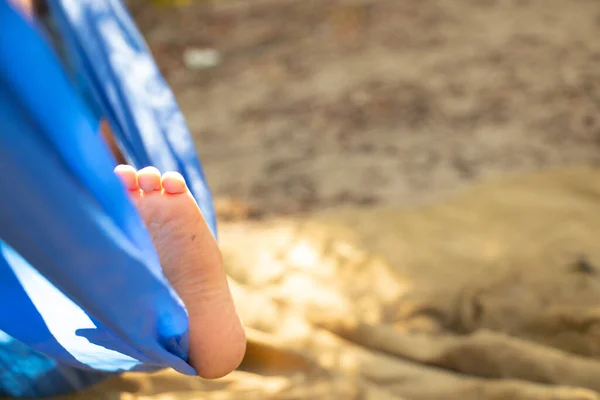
x,y
86,292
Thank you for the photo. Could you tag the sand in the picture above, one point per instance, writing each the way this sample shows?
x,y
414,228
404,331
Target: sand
x,y
408,201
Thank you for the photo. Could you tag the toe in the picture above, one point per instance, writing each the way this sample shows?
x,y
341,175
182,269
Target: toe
x,y
128,176
149,179
173,183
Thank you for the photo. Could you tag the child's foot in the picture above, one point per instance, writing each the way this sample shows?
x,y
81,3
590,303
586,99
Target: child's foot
x,y
191,260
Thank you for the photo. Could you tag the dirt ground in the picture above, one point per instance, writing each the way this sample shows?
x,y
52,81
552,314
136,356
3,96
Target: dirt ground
x,y
361,118
321,103
492,295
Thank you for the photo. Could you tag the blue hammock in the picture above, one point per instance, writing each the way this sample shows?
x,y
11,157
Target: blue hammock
x,y
82,292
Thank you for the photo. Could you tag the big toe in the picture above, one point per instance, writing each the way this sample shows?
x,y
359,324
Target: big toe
x,y
173,183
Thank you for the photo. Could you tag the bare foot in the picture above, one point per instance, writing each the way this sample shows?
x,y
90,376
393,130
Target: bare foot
x,y
191,260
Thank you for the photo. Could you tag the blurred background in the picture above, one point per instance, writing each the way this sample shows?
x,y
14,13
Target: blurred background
x,y
408,193
298,105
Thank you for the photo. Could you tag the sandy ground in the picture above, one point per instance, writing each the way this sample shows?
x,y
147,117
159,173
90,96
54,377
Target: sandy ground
x,y
492,295
361,118
321,103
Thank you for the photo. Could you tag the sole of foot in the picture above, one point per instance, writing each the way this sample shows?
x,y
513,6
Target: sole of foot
x,y
192,262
